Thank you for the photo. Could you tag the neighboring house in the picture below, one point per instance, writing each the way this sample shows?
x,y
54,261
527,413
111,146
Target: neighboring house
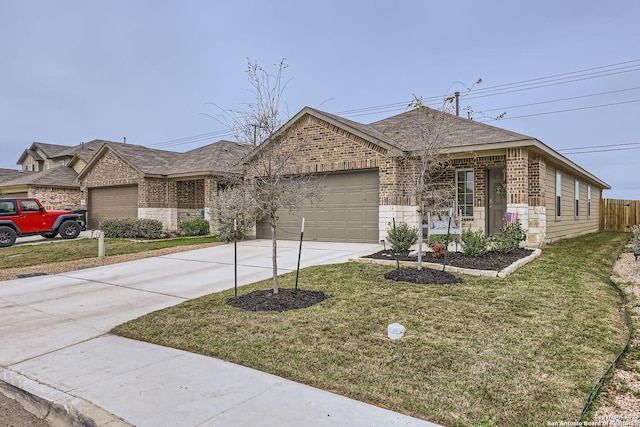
x,y
48,172
495,171
42,157
125,180
56,188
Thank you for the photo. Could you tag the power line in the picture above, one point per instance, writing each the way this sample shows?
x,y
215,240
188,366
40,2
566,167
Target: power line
x,y
563,150
562,99
602,151
565,111
530,84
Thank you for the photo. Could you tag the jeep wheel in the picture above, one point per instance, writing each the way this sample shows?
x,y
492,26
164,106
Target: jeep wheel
x,y
69,229
7,237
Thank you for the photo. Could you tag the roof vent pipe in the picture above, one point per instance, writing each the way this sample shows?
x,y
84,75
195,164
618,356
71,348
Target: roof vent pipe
x,y
457,94
125,139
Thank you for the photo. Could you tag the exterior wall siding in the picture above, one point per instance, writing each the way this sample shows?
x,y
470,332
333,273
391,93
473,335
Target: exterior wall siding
x,y
568,225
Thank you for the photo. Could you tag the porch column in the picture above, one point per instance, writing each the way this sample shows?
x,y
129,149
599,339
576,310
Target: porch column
x,y
210,193
537,201
518,184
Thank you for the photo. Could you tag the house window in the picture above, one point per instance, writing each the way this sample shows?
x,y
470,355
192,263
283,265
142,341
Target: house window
x,y
576,193
464,190
30,168
558,194
47,166
588,200
61,163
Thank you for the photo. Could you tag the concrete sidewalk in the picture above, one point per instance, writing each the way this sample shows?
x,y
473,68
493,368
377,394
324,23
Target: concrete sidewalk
x,y
55,345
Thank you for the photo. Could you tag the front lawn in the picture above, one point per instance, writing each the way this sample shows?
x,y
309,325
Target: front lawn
x,y
526,349
70,250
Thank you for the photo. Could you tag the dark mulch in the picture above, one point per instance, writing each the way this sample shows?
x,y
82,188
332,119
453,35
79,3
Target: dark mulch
x,y
285,299
490,261
424,276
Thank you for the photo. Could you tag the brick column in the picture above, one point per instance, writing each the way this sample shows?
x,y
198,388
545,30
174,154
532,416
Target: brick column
x,y
517,176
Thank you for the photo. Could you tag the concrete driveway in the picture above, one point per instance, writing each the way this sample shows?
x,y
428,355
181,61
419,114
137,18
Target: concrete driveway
x,y
55,345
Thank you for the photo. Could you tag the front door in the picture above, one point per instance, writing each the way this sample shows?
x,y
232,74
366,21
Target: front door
x,y
496,199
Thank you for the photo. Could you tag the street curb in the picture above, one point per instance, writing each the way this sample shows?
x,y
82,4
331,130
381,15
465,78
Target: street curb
x,y
57,408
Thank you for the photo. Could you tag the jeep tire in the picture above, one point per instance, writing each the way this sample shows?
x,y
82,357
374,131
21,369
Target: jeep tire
x,y
69,229
7,236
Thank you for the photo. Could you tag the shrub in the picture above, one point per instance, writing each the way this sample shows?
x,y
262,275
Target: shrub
x,y
437,250
474,243
508,238
635,239
129,228
234,204
195,227
402,237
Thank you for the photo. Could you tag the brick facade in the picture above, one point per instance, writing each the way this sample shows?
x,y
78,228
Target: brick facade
x,y
57,198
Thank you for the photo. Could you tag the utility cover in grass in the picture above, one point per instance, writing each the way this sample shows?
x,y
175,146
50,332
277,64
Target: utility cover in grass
x,y
285,299
425,276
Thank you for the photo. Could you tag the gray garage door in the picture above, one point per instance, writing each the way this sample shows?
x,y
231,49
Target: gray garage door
x,y
112,203
17,195
347,213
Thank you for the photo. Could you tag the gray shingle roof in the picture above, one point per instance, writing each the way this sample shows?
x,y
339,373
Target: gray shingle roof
x,y
51,150
218,157
221,157
9,175
56,177
454,131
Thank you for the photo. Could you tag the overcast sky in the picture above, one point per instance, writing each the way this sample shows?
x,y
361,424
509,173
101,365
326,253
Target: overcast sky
x,y
74,71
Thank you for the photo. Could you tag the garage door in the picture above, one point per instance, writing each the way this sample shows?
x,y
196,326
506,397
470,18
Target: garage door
x,y
16,195
347,213
112,203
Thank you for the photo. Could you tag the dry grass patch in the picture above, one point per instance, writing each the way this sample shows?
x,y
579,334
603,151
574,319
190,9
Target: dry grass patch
x,y
526,349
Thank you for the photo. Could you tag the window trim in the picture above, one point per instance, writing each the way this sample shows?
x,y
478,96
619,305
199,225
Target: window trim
x,y
558,194
588,200
464,206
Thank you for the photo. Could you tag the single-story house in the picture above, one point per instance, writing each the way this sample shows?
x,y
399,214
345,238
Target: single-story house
x,y
494,170
125,180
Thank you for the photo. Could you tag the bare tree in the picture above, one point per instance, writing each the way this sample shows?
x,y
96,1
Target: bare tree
x,y
424,134
273,183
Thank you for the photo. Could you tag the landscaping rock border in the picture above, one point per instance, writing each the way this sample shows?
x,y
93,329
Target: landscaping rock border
x,y
451,269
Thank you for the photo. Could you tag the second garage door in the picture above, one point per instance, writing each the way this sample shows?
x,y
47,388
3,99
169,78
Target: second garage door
x,y
112,203
348,212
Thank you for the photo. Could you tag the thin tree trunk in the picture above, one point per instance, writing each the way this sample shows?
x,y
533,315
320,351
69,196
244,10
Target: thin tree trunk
x,y
420,219
274,255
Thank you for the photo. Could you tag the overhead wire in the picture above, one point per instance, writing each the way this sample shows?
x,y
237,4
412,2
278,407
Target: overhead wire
x,y
496,90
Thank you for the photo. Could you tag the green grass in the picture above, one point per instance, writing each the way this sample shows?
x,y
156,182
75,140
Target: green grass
x,y
28,255
526,349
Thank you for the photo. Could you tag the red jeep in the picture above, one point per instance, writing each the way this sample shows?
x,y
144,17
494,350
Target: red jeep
x,y
27,217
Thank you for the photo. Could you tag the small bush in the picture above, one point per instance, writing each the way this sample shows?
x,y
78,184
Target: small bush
x,y
474,243
402,237
129,228
508,238
437,250
195,227
635,239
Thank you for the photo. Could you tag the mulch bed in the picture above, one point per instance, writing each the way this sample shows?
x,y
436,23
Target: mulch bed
x,y
490,261
285,299
291,299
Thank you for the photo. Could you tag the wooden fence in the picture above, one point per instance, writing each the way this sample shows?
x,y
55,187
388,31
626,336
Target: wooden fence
x,y
619,215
